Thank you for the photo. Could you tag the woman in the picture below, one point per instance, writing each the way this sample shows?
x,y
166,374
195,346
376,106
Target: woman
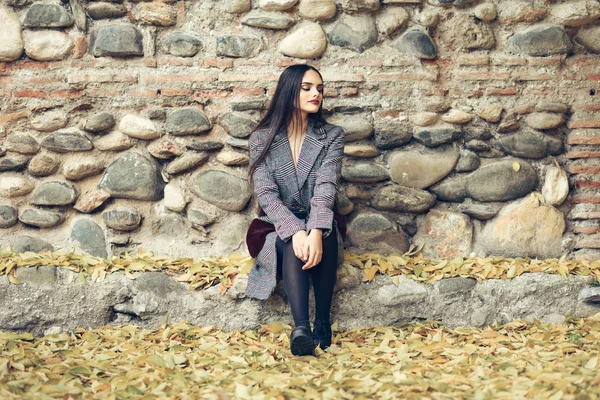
x,y
295,166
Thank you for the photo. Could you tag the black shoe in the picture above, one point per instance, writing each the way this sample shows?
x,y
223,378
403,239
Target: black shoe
x,y
322,334
301,342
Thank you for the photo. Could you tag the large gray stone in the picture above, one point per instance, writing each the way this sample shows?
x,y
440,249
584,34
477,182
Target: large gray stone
x,y
416,43
360,5
48,121
355,127
364,172
453,188
81,168
589,38
556,185
533,145
468,161
390,19
403,199
308,40
43,165
65,142
208,145
89,237
187,121
138,127
8,216
276,5
54,193
221,189
500,182
267,19
47,45
317,9
523,228
389,135
422,167
576,13
481,211
116,40
165,148
21,143
374,232
238,46
356,32
41,218
44,276
238,124
544,120
99,123
104,10
132,176
237,6
444,234
122,219
11,39
42,15
432,136
182,45
541,41
22,244
13,162
15,185
115,141
157,13
407,291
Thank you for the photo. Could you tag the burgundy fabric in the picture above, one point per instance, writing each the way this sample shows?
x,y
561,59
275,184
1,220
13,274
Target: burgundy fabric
x,y
259,229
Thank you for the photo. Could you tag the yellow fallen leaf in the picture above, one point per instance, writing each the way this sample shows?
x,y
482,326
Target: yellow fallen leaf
x,y
516,166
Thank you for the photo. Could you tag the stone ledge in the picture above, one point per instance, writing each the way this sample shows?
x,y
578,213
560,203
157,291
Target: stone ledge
x,y
50,300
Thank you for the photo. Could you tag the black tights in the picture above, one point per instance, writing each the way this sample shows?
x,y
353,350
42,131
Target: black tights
x,y
296,279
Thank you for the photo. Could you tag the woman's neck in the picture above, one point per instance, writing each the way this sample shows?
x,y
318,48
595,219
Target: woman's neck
x,y
298,126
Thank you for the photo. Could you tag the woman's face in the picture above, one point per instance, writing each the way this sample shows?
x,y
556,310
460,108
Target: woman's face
x,y
311,92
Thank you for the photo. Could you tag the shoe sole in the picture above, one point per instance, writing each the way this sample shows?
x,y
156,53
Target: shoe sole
x,y
302,346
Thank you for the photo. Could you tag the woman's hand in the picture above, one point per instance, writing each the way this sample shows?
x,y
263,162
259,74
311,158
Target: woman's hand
x,y
298,241
313,248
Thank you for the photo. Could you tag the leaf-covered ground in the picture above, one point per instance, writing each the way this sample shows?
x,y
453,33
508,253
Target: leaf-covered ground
x,y
179,361
201,274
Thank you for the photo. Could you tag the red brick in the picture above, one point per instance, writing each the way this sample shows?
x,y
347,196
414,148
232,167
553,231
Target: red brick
x,y
286,62
585,107
473,60
252,63
176,92
583,139
534,77
102,93
583,169
481,76
544,61
582,61
329,76
250,77
165,78
572,76
212,93
250,92
587,184
124,78
5,68
587,230
390,77
32,65
4,94
81,47
583,154
180,13
217,62
6,80
508,61
349,92
501,92
582,199
67,94
41,80
443,62
585,215
175,62
89,77
583,124
593,77
150,62
30,93
142,93
365,62
330,92
539,91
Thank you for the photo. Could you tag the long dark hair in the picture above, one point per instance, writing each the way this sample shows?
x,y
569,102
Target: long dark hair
x,y
284,107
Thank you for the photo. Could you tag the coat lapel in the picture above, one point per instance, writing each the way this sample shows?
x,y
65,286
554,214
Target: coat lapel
x,y
282,154
311,148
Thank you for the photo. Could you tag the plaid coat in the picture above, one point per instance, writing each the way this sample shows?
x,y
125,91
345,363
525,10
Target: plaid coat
x,y
283,190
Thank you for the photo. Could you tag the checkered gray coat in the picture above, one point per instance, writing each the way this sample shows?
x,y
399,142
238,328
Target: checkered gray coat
x,y
282,190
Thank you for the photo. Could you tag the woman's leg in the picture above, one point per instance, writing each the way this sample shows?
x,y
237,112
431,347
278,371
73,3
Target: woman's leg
x,y
323,277
296,282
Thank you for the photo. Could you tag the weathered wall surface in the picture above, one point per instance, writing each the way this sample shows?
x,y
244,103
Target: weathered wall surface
x,y
125,124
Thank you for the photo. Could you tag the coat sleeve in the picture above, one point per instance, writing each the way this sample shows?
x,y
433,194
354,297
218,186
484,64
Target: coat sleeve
x,y
267,192
328,177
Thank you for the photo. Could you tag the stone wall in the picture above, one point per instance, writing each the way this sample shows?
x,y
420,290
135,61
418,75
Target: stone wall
x,y
470,126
